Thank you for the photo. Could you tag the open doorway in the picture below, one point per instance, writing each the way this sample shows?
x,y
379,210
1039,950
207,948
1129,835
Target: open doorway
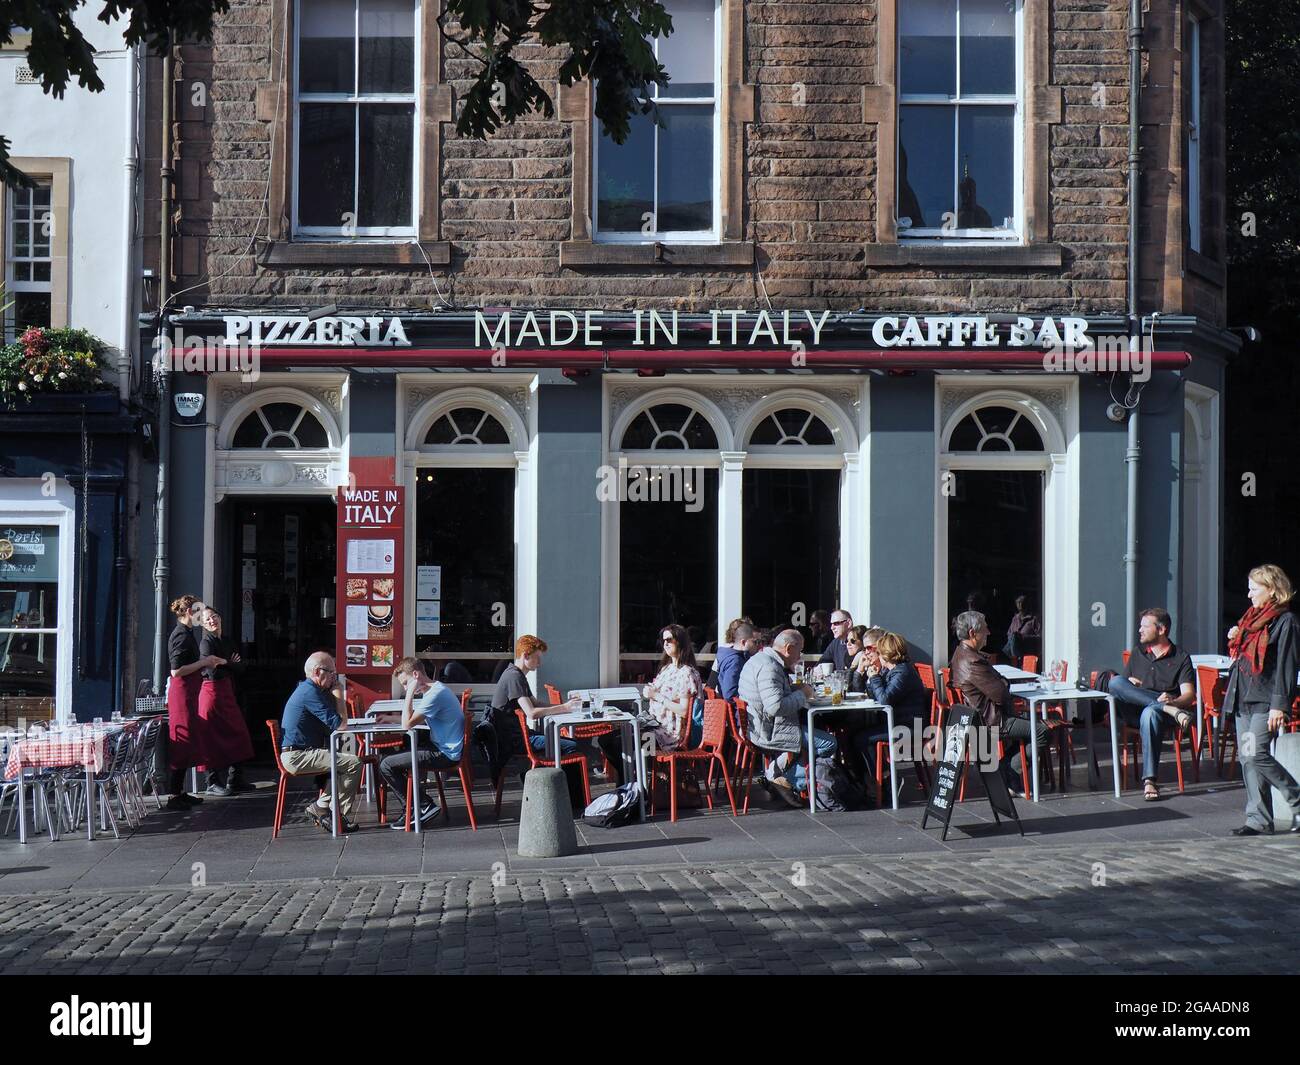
x,y
995,550
281,605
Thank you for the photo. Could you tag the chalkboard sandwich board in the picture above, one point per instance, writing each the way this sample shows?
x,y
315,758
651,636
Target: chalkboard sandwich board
x,y
958,728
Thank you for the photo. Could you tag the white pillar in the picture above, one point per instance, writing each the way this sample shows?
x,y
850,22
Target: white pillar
x,y
853,544
730,533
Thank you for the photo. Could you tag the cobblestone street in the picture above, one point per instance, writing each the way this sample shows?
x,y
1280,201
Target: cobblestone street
x,y
1095,886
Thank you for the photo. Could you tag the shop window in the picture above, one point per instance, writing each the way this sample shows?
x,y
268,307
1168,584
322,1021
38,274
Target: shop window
x,y
662,182
465,552
467,426
29,620
668,571
355,130
670,426
992,429
281,426
29,259
780,587
958,106
792,426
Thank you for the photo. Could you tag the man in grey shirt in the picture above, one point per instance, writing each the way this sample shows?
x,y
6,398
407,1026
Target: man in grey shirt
x,y
773,705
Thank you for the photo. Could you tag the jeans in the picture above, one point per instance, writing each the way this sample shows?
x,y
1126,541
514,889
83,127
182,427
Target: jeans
x,y
797,773
538,743
1140,708
396,769
1014,731
1260,770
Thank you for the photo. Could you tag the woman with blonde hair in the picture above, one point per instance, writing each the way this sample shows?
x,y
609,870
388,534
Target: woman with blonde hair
x,y
1261,686
184,725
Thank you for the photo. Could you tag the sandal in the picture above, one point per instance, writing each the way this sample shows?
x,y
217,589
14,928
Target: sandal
x,y
1184,719
1151,792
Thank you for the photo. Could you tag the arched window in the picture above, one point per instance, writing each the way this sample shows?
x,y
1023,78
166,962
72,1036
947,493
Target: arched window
x,y
280,425
992,429
792,425
468,426
670,426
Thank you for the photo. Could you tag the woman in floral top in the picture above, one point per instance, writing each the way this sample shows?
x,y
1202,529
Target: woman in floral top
x,y
677,685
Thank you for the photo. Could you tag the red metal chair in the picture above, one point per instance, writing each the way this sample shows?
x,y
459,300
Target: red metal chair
x,y
749,756
710,750
1213,688
1029,663
536,760
583,732
285,777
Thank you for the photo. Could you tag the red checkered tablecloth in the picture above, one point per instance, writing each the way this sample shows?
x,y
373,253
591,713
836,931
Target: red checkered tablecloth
x,y
60,750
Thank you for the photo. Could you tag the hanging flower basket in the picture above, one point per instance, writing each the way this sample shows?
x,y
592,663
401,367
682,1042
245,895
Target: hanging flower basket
x,y
51,361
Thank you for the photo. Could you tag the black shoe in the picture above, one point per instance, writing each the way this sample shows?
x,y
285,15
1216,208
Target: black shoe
x,y
345,826
193,800
176,802
1246,830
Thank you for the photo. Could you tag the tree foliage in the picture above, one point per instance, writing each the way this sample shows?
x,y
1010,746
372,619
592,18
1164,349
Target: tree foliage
x,y
606,40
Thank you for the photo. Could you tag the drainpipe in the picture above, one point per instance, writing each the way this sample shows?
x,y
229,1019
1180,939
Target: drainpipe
x,y
1133,453
124,361
160,568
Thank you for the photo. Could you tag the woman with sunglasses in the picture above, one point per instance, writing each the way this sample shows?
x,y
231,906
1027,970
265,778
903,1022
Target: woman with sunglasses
x,y
226,739
860,643
676,686
185,747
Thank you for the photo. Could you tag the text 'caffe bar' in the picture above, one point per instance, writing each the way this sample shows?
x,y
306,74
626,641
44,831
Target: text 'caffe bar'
x,y
385,484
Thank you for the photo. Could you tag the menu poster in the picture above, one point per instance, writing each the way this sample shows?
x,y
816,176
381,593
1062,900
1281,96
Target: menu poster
x,y
428,582
371,531
428,617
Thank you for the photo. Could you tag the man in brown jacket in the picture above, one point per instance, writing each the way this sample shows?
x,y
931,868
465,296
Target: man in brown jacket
x,y
986,690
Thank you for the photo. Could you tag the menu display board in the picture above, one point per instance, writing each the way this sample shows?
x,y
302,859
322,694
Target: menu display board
x,y
370,571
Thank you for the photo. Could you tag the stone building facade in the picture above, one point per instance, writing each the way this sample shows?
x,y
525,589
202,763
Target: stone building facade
x,y
874,161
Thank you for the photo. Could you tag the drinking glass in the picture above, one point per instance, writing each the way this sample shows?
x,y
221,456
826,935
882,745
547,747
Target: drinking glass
x,y
99,722
117,716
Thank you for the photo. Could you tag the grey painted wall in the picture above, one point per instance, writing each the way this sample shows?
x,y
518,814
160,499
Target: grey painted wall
x,y
1160,496
902,509
372,409
1102,480
568,528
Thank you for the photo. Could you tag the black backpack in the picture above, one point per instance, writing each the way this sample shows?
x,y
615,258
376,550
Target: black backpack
x,y
618,807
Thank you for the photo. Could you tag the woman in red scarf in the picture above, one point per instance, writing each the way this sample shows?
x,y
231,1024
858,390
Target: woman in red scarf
x,y
1265,657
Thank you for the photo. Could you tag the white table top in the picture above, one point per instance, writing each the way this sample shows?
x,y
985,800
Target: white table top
x,y
820,704
360,724
1037,691
1012,673
580,718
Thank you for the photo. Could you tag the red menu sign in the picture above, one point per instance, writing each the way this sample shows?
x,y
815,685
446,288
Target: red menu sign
x,y
371,525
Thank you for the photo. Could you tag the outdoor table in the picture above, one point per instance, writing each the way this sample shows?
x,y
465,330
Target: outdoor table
x,y
360,725
1035,694
552,723
820,706
86,746
627,693
1014,674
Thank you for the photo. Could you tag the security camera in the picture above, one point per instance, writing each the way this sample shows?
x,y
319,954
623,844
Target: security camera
x,y
1116,412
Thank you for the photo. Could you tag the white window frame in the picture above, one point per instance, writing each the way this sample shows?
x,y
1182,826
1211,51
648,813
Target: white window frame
x,y
1194,137
12,284
998,235
22,503
684,236
357,99
520,454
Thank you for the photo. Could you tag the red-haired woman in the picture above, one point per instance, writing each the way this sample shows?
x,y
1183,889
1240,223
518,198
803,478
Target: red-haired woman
x,y
225,735
184,726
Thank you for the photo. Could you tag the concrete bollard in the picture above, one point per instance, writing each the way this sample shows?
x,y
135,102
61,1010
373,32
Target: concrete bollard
x,y
546,820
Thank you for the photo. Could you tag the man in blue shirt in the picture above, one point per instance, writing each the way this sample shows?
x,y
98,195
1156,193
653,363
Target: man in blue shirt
x,y
310,715
432,703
